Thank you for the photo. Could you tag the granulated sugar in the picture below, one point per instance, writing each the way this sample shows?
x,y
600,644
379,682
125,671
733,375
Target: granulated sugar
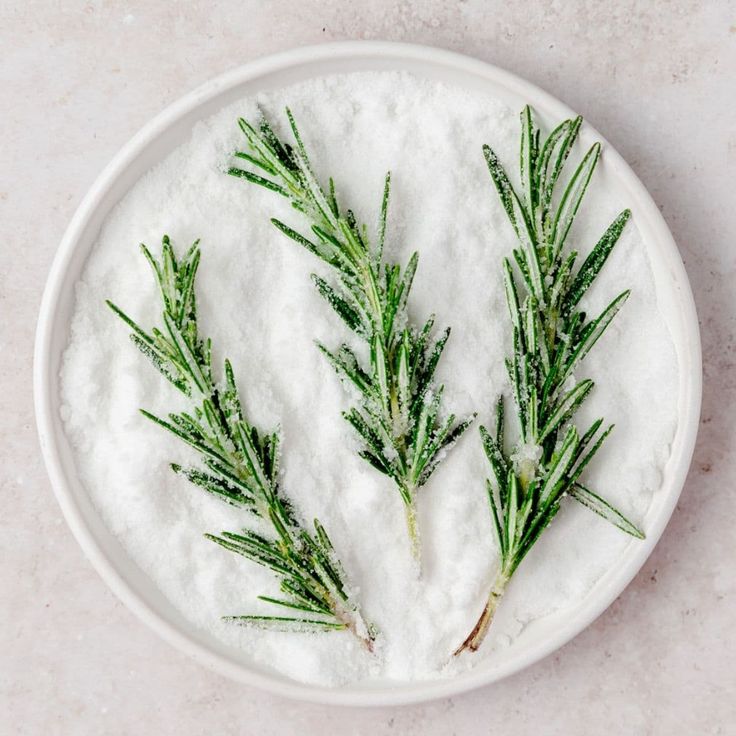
x,y
260,307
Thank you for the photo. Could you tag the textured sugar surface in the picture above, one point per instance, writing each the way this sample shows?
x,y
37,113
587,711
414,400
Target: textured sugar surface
x,y
259,305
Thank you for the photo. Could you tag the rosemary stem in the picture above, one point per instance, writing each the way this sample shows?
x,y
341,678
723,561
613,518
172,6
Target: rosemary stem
x,y
476,636
354,622
364,639
412,527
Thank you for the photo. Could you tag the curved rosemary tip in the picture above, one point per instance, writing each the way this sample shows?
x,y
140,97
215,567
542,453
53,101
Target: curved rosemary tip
x,y
240,465
398,416
551,335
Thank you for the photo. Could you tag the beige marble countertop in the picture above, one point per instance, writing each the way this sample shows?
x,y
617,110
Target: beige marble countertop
x,y
78,79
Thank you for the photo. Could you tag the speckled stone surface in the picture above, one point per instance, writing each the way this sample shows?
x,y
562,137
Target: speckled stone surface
x,y
78,79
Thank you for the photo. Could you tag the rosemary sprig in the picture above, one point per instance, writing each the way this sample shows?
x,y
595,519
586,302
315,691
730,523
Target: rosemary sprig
x,y
240,465
399,416
551,335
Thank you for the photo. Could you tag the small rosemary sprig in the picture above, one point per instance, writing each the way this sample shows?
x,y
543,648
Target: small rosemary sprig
x,y
240,465
399,416
551,335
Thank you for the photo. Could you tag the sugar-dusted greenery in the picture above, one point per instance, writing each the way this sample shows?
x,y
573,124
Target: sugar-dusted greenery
x,y
551,336
240,464
399,415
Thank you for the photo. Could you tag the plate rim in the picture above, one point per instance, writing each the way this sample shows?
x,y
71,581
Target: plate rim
x,y
401,693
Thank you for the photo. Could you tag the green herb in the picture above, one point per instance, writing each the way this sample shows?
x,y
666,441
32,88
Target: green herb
x,y
399,416
551,335
240,465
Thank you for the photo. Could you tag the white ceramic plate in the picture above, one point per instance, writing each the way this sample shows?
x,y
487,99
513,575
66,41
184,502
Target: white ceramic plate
x,y
172,128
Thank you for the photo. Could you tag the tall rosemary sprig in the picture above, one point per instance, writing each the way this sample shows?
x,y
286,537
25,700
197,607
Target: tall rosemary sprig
x,y
399,416
240,465
551,335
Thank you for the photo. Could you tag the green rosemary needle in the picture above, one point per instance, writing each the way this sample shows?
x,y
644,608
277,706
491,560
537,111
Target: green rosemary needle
x,y
399,417
239,464
551,336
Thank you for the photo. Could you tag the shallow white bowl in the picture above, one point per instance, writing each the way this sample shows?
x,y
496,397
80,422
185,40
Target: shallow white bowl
x,y
172,128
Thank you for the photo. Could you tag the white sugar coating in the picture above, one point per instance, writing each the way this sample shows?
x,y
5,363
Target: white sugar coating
x,y
259,306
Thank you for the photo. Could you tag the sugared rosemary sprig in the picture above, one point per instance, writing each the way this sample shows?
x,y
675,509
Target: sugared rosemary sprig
x,y
399,417
551,335
240,465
